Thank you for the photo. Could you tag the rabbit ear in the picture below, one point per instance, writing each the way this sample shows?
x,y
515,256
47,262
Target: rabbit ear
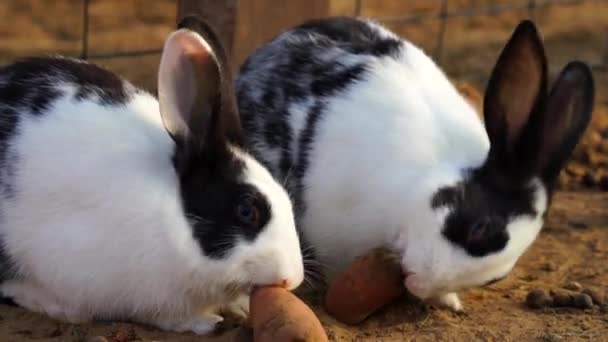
x,y
515,92
197,102
566,116
188,83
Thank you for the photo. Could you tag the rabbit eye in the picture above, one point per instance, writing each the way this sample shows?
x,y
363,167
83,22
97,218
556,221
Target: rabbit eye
x,y
247,213
485,228
480,230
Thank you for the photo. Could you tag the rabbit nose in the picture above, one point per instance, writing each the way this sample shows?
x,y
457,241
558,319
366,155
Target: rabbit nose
x,y
405,275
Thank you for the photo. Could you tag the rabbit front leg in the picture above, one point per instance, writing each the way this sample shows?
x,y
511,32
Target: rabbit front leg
x,y
449,300
238,309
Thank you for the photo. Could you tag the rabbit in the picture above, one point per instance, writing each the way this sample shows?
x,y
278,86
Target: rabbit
x,y
378,149
117,206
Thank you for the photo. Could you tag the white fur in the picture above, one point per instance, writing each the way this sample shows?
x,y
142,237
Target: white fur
x,y
391,167
97,230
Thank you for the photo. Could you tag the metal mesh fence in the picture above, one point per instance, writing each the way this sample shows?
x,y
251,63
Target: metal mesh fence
x,y
532,6
441,16
84,51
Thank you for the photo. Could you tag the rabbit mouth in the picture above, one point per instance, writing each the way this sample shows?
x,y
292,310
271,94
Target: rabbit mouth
x,y
405,275
283,283
248,288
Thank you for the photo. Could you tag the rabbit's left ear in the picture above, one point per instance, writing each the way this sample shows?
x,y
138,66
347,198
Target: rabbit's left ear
x,y
514,97
533,133
196,96
188,86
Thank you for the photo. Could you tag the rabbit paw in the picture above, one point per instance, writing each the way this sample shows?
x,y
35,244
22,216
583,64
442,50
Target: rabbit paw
x,y
451,301
200,324
237,309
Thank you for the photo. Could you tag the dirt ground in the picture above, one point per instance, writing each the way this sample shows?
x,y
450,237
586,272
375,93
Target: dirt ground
x,y
573,246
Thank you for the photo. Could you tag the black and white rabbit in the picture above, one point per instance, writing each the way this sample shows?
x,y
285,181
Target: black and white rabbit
x,y
378,148
114,205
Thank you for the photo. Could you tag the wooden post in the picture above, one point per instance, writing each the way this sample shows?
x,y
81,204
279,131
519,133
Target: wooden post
x,y
260,20
221,14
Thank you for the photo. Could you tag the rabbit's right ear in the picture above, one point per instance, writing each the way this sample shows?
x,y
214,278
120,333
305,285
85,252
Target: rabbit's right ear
x,y
515,93
195,93
567,115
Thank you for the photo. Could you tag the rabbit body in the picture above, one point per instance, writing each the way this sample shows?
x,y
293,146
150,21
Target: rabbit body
x,y
377,148
104,216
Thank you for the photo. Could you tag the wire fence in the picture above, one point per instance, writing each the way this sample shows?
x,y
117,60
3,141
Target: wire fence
x,y
444,14
84,51
441,16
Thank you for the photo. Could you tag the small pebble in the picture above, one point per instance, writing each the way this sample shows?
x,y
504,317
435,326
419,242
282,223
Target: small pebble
x,y
123,334
603,183
603,146
594,158
582,301
573,286
589,180
585,326
549,267
596,295
595,138
549,337
576,170
538,299
579,224
561,298
529,277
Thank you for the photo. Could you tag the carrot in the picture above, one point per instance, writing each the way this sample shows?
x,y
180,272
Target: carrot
x,y
278,315
369,283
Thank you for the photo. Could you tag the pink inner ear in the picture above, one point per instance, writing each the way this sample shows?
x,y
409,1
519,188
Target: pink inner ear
x,y
521,85
517,83
192,46
188,86
560,117
554,127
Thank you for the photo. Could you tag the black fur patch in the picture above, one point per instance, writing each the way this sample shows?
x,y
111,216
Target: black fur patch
x,y
305,141
7,266
9,119
211,190
8,126
353,35
481,211
33,84
7,301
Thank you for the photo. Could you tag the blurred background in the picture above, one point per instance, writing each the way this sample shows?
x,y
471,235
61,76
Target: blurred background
x,y
464,36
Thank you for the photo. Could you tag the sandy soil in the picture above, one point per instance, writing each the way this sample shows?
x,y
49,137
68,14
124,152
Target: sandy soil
x,y
572,247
